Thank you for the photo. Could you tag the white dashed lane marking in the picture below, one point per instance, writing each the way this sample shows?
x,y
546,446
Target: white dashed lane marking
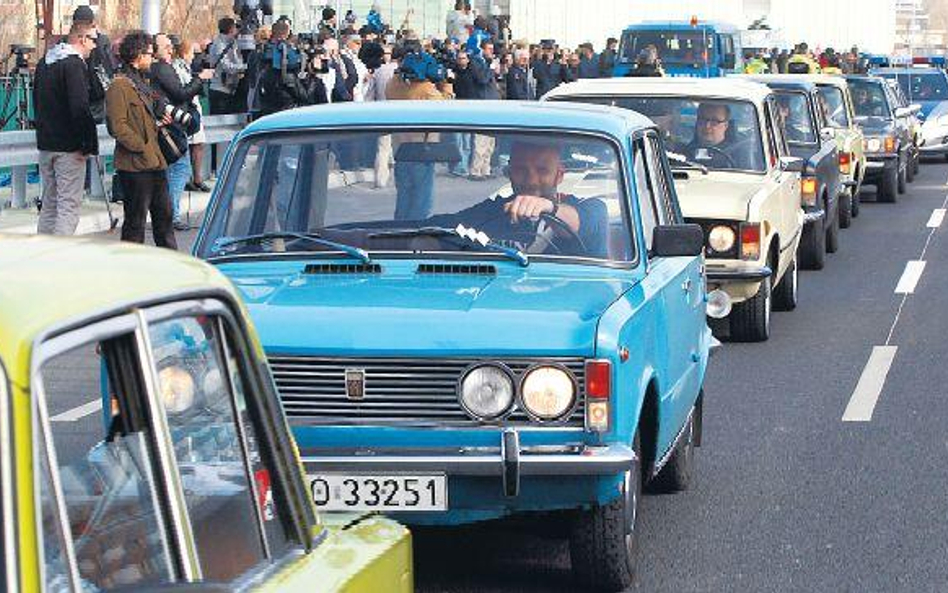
x,y
79,412
938,216
910,277
867,392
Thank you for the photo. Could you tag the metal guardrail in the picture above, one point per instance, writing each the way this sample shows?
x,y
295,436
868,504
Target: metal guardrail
x,y
18,149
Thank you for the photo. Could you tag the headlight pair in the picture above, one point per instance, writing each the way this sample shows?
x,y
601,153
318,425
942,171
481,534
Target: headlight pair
x,y
489,391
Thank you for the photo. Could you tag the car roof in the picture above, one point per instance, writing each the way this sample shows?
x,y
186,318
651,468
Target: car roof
x,y
725,88
720,26
908,70
785,81
817,79
57,280
484,114
866,78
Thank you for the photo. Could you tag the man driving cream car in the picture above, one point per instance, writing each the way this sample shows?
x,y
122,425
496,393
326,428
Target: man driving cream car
x,y
714,144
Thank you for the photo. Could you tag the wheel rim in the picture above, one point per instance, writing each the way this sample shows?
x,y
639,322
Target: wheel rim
x,y
631,494
767,308
793,278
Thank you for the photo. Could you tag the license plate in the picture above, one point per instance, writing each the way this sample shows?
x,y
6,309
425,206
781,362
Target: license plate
x,y
389,493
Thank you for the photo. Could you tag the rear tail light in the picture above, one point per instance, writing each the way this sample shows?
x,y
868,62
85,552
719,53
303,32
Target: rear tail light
x,y
890,143
750,240
845,159
808,190
598,394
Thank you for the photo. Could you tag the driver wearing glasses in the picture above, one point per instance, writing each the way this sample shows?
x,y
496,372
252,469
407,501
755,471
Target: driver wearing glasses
x,y
536,215
714,144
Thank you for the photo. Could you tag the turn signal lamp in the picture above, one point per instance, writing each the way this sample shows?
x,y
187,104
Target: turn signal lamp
x,y
598,393
808,190
889,143
750,240
845,159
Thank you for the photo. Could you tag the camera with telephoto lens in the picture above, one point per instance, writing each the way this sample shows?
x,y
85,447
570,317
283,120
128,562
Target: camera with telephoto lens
x,y
178,115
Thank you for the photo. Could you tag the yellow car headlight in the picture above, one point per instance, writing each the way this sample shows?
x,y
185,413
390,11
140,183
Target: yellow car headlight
x,y
721,238
548,392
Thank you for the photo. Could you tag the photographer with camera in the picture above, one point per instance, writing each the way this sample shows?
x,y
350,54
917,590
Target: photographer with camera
x,y
139,161
289,76
101,63
65,129
225,59
176,99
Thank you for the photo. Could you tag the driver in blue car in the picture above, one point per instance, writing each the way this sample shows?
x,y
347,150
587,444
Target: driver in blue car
x,y
715,144
537,216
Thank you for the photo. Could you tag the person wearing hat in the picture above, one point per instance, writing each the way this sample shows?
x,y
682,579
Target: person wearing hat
x,y
65,128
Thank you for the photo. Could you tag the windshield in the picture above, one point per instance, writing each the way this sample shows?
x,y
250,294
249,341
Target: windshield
x,y
422,191
719,134
869,98
674,47
834,105
795,114
922,87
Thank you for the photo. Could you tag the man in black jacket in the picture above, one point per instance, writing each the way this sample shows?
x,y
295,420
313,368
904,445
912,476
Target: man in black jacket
x,y
518,77
547,73
65,129
101,62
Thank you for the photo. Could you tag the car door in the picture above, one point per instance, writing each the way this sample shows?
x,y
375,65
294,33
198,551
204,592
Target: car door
x,y
784,186
828,157
172,481
682,292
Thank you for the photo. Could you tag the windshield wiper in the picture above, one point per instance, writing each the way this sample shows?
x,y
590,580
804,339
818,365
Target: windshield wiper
x,y
355,252
680,159
468,236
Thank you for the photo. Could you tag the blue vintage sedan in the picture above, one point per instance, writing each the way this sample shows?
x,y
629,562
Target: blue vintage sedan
x,y
474,310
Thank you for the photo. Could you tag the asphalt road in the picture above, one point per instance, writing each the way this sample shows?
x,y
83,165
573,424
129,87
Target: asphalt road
x,y
788,496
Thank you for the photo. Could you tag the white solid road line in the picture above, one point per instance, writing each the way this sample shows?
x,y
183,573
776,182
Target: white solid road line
x,y
79,412
869,388
938,216
910,277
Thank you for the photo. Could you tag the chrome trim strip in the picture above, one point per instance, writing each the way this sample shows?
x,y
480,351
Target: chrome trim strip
x,y
168,464
657,467
813,216
611,459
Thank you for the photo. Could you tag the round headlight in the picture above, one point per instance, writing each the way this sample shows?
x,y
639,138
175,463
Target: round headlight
x,y
874,145
719,304
721,238
548,392
487,391
177,389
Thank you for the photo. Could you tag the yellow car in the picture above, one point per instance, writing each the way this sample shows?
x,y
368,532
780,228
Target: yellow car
x,y
183,472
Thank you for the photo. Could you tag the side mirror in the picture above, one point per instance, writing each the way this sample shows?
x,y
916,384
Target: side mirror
x,y
828,133
791,164
902,112
915,108
678,240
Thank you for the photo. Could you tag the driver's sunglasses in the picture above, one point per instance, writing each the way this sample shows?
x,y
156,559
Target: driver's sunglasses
x,y
707,121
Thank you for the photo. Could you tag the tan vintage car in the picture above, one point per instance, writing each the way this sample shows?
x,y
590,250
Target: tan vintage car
x,y
850,141
734,176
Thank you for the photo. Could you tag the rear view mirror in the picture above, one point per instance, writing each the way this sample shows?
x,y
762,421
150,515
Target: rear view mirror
x,y
428,152
791,164
678,240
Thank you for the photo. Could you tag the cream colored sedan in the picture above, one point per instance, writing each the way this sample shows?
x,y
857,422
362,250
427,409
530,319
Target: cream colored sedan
x,y
733,175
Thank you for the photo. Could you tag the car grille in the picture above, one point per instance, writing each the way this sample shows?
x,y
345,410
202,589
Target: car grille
x,y
397,390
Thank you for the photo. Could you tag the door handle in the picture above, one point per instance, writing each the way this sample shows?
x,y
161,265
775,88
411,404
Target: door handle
x,y
686,285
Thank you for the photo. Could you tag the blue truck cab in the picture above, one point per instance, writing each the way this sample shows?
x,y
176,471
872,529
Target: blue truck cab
x,y
453,350
697,49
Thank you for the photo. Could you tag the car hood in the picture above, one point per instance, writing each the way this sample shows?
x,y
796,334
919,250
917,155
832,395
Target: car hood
x,y
725,196
544,309
875,126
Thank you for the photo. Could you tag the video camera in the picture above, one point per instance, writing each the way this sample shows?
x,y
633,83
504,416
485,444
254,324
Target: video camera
x,y
22,55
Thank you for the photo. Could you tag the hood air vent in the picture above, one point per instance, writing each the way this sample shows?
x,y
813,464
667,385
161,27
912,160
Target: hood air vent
x,y
335,269
470,270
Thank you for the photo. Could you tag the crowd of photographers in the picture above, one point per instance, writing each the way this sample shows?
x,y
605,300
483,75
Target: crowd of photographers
x,y
147,89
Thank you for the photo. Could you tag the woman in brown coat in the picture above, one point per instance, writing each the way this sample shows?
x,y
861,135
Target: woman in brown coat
x,y
138,159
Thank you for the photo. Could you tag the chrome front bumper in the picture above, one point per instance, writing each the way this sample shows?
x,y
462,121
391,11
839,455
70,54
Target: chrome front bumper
x,y
811,216
509,461
739,275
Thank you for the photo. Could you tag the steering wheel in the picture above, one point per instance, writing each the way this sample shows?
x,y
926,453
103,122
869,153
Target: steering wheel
x,y
715,150
560,224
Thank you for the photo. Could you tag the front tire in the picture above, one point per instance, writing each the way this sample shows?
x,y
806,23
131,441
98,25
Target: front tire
x,y
902,179
846,209
785,295
678,473
813,246
857,199
888,186
750,320
832,236
603,543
